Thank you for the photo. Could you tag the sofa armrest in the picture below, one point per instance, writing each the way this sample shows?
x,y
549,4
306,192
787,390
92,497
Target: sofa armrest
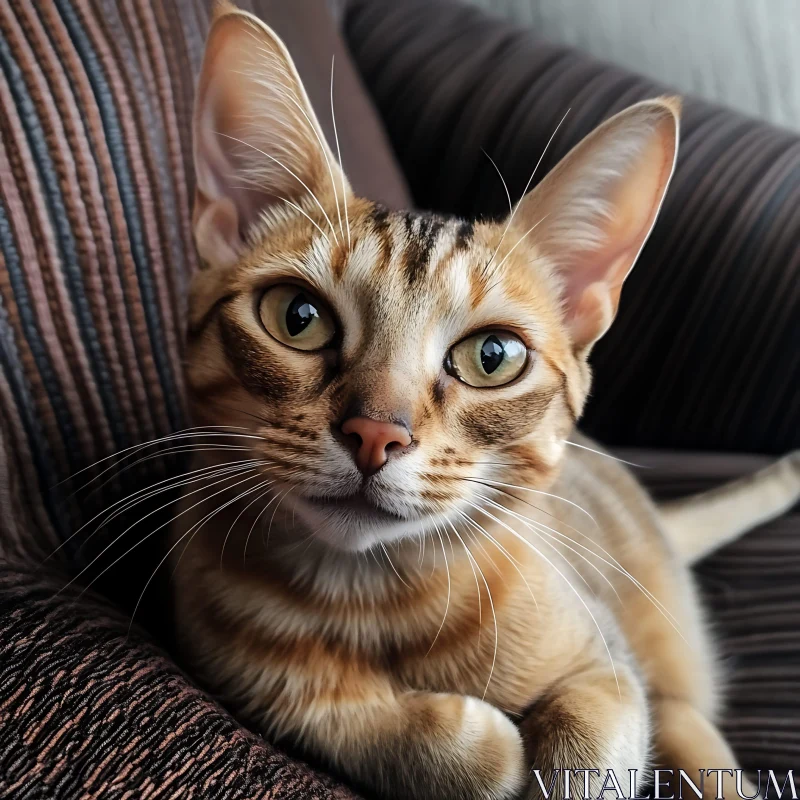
x,y
88,709
704,354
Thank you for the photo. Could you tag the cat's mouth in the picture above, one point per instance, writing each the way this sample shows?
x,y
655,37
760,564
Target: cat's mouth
x,y
356,504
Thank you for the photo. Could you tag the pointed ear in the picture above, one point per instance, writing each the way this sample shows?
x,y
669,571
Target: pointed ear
x,y
257,141
597,207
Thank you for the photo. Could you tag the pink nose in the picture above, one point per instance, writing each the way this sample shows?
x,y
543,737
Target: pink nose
x,y
375,441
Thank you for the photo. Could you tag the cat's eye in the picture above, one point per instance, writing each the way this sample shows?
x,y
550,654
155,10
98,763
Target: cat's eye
x,y
489,358
296,318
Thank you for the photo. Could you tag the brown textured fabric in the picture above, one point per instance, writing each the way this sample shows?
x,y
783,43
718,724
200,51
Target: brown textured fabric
x,y
705,353
95,253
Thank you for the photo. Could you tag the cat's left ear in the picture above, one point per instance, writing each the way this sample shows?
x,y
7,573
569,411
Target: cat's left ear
x,y
594,211
257,141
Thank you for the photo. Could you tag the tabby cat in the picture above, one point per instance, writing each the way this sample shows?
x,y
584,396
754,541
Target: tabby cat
x,y
418,572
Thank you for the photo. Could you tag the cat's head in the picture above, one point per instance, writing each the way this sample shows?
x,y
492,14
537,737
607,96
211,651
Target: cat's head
x,y
397,368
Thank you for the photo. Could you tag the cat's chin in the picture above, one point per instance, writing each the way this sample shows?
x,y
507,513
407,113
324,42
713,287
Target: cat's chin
x,y
353,524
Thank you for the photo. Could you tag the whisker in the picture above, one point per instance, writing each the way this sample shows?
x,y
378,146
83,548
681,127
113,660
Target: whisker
x,y
197,526
150,534
295,176
297,208
223,470
613,563
386,553
502,179
145,494
511,560
605,455
255,522
274,512
145,444
471,559
169,451
322,146
447,604
496,630
540,534
534,491
339,157
239,516
174,438
564,578
524,192
519,242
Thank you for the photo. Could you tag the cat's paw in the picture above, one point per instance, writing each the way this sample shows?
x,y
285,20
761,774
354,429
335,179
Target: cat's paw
x,y
493,749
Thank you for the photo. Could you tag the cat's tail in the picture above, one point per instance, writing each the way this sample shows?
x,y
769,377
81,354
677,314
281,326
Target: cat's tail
x,y
700,524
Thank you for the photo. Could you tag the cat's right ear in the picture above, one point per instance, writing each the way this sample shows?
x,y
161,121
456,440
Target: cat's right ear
x,y
257,141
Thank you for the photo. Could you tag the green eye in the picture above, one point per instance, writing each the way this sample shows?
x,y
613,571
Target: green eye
x,y
296,318
490,358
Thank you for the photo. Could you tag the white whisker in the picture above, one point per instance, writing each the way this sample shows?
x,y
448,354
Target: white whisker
x,y
297,207
255,522
322,146
185,433
505,185
339,157
151,533
511,560
196,528
519,242
524,192
386,553
447,604
298,179
541,533
474,574
611,562
564,578
169,451
148,492
496,630
534,491
605,455
239,516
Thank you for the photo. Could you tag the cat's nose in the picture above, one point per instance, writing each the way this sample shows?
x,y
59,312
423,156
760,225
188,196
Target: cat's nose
x,y
374,441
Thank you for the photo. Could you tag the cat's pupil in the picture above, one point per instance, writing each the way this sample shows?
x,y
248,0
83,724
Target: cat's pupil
x,y
299,315
492,354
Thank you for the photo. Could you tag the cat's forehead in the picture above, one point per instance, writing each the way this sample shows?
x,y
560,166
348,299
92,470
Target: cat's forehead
x,y
404,272
416,257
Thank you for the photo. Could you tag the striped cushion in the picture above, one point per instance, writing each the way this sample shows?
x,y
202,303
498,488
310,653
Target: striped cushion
x,y
95,183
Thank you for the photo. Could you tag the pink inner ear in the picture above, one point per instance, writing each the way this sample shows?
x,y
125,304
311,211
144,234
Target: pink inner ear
x,y
594,278
221,170
216,231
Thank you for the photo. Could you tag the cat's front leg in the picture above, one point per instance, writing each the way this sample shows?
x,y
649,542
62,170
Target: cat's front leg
x,y
426,746
593,720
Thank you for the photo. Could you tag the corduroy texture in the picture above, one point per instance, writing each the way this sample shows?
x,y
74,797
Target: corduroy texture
x,y
95,188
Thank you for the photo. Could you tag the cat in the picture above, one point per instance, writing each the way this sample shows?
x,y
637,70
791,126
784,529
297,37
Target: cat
x,y
419,572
